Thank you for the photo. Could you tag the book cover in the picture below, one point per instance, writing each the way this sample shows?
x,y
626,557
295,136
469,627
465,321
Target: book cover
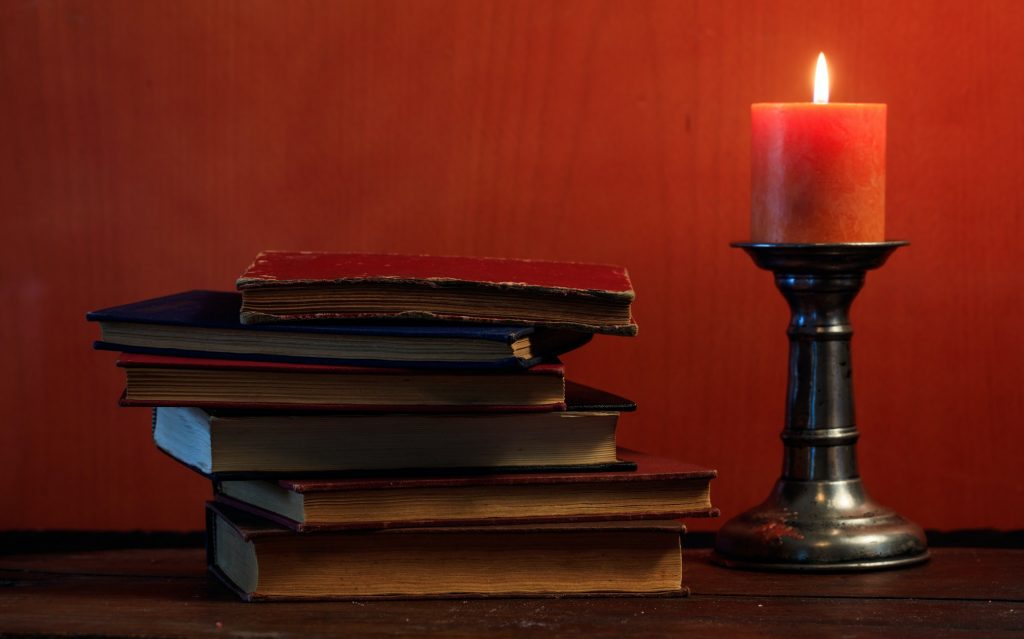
x,y
282,268
648,468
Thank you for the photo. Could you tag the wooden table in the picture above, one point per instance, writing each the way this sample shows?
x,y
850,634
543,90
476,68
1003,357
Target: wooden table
x,y
166,593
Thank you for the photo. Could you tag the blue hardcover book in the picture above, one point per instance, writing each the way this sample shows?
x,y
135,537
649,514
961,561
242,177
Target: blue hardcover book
x,y
206,324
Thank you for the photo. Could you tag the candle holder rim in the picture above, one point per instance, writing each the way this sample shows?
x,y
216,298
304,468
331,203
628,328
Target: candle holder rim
x,y
819,245
821,258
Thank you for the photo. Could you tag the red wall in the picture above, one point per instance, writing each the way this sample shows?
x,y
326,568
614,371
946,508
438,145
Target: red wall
x,y
150,147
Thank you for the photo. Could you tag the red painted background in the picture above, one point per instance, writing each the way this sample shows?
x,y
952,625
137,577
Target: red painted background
x,y
150,147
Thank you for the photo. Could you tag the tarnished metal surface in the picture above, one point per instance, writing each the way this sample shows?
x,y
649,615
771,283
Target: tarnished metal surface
x,y
819,517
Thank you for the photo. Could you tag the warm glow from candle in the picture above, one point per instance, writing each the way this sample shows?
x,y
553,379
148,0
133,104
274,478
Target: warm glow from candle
x,y
821,81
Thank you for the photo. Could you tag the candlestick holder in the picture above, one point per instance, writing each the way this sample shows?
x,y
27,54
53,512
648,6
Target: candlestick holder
x,y
819,517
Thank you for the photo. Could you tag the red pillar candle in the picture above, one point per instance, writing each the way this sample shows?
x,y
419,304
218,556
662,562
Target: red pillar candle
x,y
817,170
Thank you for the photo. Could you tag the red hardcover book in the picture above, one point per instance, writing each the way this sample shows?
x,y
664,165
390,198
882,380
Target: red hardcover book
x,y
291,286
259,560
658,489
156,380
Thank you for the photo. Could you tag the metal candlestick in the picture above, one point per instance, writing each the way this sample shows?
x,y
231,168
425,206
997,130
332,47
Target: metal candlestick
x,y
819,516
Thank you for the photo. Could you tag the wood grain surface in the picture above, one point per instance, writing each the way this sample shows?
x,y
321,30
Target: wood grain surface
x,y
165,593
151,147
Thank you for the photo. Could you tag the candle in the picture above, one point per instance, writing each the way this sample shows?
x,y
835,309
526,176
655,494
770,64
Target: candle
x,y
817,170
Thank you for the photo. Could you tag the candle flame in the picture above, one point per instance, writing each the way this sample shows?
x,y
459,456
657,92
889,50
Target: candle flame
x,y
821,81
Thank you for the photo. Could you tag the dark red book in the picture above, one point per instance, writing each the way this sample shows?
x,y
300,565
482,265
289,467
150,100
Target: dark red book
x,y
658,489
155,380
295,286
260,560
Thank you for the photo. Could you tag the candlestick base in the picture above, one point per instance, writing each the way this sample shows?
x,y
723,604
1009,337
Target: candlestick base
x,y
819,526
819,517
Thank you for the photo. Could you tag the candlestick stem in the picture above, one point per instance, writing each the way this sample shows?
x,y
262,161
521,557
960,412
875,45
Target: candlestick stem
x,y
819,517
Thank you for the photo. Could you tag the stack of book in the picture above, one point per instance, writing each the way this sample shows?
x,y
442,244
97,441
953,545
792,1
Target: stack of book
x,y
400,426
